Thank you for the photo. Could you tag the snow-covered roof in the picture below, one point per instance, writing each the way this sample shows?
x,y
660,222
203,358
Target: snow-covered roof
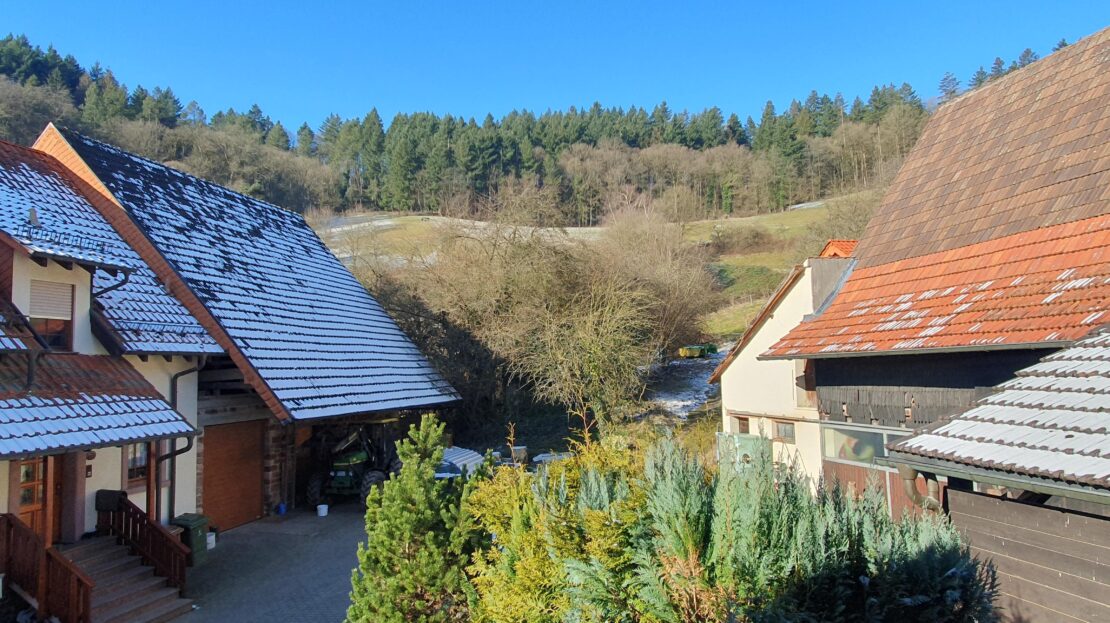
x,y
142,317
1051,421
305,326
42,211
79,401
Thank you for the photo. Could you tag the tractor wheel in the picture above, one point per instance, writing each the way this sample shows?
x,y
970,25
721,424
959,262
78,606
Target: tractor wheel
x,y
395,465
314,490
370,480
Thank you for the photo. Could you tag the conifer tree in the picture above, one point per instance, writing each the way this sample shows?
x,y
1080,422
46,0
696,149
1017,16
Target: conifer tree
x,y
1027,56
949,87
978,79
411,567
1060,45
306,141
278,137
998,68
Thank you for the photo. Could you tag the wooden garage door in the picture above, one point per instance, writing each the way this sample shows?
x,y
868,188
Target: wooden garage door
x,y
233,473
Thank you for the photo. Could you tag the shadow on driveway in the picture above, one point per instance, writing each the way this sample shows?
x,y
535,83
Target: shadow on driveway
x,y
293,568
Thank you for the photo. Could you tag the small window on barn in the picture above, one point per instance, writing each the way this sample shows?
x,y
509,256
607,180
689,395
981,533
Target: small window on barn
x,y
51,313
784,432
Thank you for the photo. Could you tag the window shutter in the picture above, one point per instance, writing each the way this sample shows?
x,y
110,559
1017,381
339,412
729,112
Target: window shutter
x,y
51,300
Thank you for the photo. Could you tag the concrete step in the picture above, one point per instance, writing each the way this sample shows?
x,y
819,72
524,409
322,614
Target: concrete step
x,y
138,605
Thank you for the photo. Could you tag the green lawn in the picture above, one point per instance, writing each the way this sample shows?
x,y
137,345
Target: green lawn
x,y
785,225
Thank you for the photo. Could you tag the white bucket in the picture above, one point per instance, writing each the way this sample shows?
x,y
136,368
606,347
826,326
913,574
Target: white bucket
x,y
321,510
211,537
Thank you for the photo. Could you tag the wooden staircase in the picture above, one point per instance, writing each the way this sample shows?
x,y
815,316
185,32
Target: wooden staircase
x,y
124,589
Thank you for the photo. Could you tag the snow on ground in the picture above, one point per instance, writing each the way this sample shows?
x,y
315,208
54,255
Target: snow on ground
x,y
681,386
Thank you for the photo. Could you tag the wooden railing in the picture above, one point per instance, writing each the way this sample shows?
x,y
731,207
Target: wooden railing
x,y
149,539
60,588
68,594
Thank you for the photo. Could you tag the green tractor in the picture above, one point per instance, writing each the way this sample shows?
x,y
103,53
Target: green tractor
x,y
355,463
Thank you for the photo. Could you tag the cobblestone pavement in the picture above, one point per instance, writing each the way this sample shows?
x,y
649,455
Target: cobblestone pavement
x,y
294,568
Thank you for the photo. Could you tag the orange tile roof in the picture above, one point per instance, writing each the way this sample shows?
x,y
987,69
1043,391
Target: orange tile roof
x,y
1040,287
838,248
1028,150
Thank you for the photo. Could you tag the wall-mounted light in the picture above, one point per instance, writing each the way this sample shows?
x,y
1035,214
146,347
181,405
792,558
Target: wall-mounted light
x,y
90,455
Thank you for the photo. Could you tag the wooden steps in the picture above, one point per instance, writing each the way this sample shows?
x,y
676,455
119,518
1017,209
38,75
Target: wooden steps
x,y
125,590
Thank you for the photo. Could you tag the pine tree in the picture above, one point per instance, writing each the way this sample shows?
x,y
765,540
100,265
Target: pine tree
x,y
306,141
734,131
278,137
411,567
1060,45
193,114
949,87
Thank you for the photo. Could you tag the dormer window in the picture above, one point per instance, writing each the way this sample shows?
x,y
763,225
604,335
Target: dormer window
x,y
51,313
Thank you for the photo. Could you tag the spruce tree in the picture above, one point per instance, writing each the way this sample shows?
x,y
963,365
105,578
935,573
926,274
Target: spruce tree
x,y
1060,45
998,68
411,566
1027,57
278,137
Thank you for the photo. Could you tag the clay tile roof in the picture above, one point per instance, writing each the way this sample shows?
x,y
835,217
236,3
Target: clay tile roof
x,y
41,211
994,230
1051,421
1049,285
838,248
307,328
79,401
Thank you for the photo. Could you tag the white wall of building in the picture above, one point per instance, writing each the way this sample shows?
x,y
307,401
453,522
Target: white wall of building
x,y
766,391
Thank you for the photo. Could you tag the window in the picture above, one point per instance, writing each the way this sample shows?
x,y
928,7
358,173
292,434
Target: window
x,y
856,445
741,425
136,459
784,432
52,313
136,462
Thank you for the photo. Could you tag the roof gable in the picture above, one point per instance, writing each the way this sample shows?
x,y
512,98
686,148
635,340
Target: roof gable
x,y
1028,150
305,332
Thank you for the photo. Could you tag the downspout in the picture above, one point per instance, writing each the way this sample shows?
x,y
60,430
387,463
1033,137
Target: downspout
x,y
174,452
929,502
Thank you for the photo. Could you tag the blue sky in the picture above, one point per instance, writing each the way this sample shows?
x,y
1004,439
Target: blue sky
x,y
300,61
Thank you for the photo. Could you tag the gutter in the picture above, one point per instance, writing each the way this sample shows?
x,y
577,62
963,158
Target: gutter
x,y
1056,344
1004,479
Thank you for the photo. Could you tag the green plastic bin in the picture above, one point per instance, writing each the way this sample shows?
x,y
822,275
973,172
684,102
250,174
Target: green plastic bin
x,y
195,536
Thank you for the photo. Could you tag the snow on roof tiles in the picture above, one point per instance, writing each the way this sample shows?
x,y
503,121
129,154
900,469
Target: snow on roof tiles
x,y
42,211
309,329
1047,285
1052,420
145,317
79,401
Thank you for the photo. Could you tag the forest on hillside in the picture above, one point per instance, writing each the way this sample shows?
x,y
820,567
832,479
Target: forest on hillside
x,y
555,168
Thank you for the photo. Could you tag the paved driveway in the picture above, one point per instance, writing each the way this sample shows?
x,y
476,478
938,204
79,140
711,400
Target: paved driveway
x,y
293,568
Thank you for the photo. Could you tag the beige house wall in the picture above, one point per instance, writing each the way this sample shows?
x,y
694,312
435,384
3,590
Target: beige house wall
x,y
766,391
